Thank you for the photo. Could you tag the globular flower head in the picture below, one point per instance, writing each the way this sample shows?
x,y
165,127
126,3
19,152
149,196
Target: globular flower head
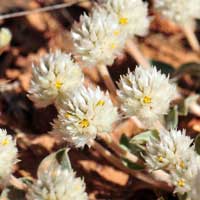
x,y
5,37
146,93
8,155
54,78
98,39
182,12
195,191
132,15
58,184
168,152
88,113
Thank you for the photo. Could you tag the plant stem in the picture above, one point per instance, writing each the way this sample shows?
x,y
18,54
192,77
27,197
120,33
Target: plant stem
x,y
138,174
107,79
133,50
191,37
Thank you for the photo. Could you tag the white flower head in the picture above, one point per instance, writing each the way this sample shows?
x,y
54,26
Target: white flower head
x,y
132,15
98,39
146,93
195,191
8,155
58,184
54,78
182,12
169,151
88,113
5,37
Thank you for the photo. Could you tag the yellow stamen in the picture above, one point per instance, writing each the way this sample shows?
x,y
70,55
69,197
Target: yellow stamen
x,y
160,159
100,103
5,142
147,99
182,164
84,123
123,20
68,115
116,33
181,183
113,46
58,84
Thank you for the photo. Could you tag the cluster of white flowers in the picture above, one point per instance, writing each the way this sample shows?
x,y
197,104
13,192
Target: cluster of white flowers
x,y
55,78
57,184
146,93
132,15
182,12
98,39
8,155
174,152
88,113
5,37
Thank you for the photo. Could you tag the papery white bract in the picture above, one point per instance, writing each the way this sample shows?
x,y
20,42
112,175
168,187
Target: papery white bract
x,y
5,37
8,156
182,12
58,184
174,153
146,93
98,38
195,192
132,15
55,77
88,113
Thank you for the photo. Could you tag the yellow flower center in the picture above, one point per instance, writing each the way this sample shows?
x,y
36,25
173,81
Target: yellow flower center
x,y
147,99
5,142
160,159
84,123
100,103
116,33
113,46
68,115
58,84
182,164
123,20
181,183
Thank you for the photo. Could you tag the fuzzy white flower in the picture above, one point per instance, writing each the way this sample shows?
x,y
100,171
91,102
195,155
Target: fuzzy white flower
x,y
169,151
88,113
56,77
98,39
58,184
8,155
132,15
5,37
146,93
182,12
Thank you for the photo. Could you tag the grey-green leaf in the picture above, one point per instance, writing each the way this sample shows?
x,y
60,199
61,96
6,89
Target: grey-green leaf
x,y
197,144
172,118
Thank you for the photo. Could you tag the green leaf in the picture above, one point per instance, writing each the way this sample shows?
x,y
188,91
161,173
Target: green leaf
x,y
197,144
125,143
53,161
183,107
164,67
144,137
188,68
132,165
172,118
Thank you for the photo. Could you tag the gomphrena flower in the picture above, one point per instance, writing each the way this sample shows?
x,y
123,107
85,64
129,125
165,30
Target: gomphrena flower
x,y
132,15
8,155
5,37
58,184
88,113
182,12
55,77
146,93
195,192
174,152
98,39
